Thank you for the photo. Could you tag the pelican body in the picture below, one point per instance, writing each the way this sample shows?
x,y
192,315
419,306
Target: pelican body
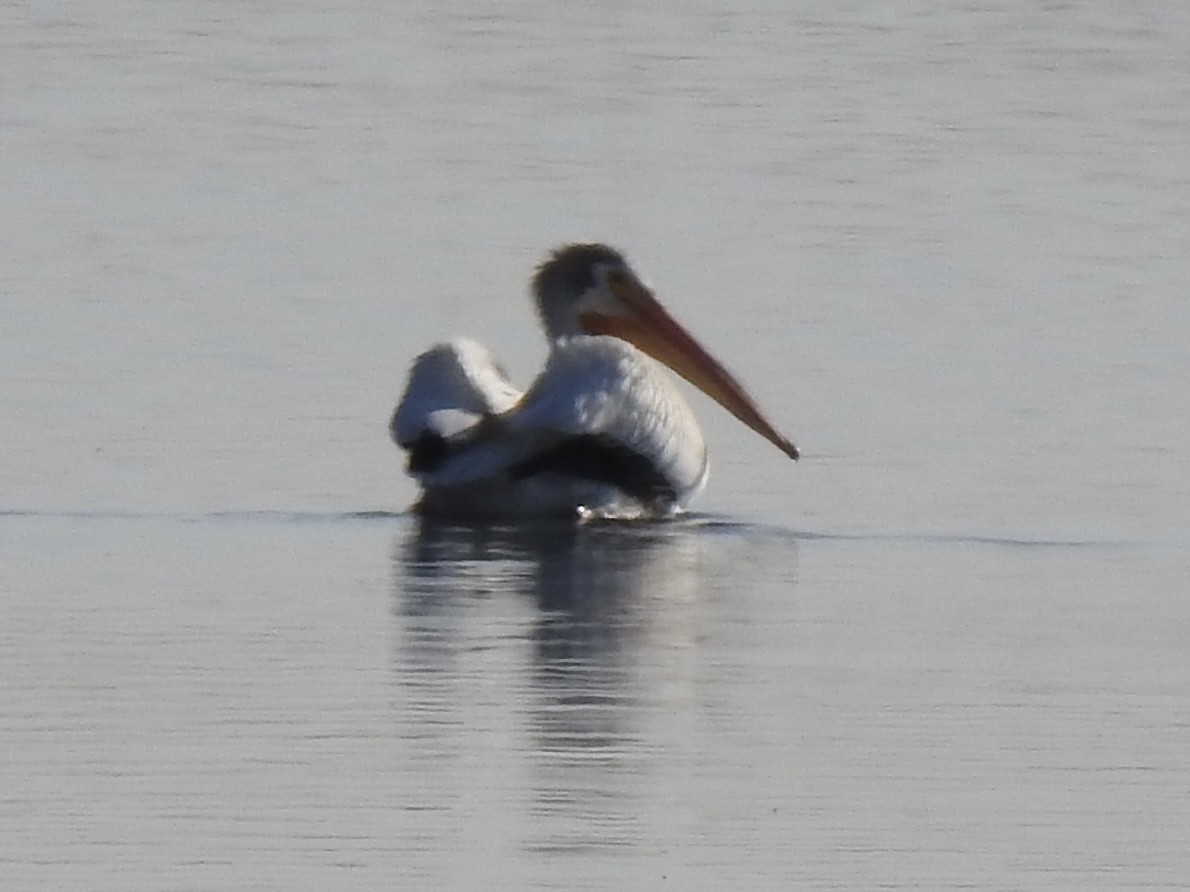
x,y
601,432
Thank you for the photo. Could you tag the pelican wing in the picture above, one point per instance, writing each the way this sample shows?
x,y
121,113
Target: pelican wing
x,y
452,387
599,411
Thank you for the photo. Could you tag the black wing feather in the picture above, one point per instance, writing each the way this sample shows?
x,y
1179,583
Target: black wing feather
x,y
601,460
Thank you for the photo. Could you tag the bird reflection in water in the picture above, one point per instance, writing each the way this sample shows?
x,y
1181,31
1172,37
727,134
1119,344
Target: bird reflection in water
x,y
565,630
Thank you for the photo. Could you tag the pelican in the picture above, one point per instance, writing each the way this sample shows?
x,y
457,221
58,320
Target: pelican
x,y
602,432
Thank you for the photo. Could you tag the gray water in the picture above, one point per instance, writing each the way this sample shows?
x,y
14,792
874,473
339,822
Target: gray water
x,y
946,245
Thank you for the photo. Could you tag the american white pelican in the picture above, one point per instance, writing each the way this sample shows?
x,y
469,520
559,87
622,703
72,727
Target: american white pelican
x,y
602,432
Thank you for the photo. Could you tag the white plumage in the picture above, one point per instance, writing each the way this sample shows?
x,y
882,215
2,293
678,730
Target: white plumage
x,y
590,387
601,432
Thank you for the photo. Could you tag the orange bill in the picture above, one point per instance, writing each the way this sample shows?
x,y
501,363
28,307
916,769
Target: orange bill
x,y
652,330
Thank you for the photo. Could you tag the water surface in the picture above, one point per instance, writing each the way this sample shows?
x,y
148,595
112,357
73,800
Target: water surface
x,y
946,248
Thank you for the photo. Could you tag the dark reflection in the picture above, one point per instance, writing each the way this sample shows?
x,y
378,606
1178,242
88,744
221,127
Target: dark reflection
x,y
590,583
566,625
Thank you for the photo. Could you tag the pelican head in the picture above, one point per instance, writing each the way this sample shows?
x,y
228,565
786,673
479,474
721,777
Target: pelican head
x,y
589,289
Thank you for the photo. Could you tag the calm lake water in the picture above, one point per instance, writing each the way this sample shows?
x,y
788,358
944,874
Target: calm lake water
x,y
947,247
